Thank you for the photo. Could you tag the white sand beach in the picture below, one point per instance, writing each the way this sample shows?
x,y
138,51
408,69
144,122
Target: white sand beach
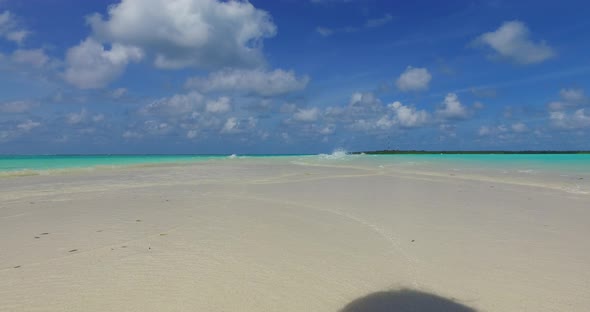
x,y
275,235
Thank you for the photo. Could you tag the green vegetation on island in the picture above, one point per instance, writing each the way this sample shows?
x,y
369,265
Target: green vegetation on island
x,y
393,152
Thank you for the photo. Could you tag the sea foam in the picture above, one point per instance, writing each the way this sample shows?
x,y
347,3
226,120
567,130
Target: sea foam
x,y
337,154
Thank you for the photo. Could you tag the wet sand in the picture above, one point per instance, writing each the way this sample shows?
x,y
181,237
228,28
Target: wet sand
x,y
262,235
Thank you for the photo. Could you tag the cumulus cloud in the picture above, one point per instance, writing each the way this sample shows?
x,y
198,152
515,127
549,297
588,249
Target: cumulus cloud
x,y
414,79
28,125
572,94
397,115
256,81
128,134
364,100
365,112
190,115
10,28
307,114
452,108
76,118
230,126
200,33
34,57
576,120
83,116
408,117
89,65
512,41
570,98
221,105
155,127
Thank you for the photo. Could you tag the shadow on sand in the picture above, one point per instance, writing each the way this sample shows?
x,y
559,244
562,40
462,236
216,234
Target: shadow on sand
x,y
404,300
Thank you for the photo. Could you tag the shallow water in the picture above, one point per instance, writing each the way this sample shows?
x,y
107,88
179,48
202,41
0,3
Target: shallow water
x,y
530,164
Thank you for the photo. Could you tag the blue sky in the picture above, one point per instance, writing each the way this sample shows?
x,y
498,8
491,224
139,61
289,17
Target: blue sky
x,y
204,76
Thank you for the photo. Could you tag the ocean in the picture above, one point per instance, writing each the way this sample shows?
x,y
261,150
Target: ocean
x,y
524,163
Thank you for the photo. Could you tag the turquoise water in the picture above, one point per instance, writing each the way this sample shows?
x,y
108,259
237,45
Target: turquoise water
x,y
523,163
578,163
554,162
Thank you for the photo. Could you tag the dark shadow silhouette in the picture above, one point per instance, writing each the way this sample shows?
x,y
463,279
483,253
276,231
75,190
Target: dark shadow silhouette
x,y
404,300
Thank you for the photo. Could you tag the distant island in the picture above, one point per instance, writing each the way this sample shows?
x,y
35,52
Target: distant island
x,y
381,152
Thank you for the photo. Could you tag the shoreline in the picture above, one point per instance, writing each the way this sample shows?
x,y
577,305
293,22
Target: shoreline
x,y
549,178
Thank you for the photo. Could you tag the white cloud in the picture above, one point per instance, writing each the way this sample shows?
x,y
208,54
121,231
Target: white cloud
x,y
28,125
155,127
179,104
575,120
10,29
511,41
572,94
16,107
76,118
408,117
452,108
221,105
307,114
90,65
200,33
257,81
570,98
399,115
131,135
519,127
252,122
366,99
231,125
414,79
35,57
503,131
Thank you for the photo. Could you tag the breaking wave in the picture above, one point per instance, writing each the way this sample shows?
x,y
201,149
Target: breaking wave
x,y
337,154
